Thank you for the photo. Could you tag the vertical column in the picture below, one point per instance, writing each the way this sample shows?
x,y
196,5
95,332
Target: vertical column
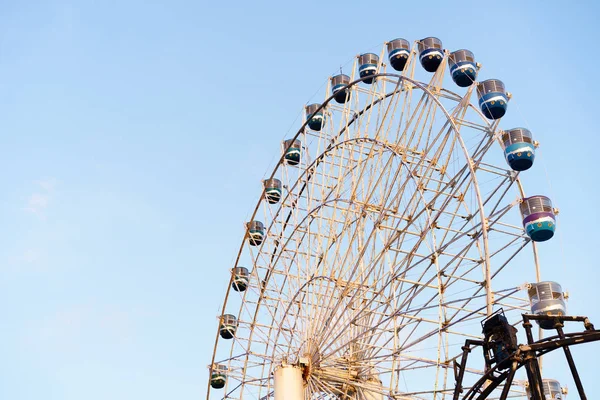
x,y
288,383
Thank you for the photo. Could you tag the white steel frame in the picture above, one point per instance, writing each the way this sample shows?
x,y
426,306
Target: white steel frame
x,y
394,237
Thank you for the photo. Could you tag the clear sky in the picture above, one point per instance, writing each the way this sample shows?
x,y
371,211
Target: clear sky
x,y
134,135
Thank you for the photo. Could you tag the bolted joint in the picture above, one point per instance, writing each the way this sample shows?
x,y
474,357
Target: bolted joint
x,y
558,323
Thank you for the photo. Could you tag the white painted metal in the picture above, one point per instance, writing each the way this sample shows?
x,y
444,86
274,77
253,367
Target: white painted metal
x,y
288,383
394,237
374,393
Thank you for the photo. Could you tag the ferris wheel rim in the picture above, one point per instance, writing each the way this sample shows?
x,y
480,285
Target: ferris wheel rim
x,y
401,80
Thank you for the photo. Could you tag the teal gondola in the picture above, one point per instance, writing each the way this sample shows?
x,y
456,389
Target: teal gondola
x,y
218,376
519,148
539,219
292,151
228,326
315,118
340,92
367,66
255,233
493,100
272,190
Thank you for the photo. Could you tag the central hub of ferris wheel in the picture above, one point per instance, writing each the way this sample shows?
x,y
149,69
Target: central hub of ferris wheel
x,y
343,379
342,375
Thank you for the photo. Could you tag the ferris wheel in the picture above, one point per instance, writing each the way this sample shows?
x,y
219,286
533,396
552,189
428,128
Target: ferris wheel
x,y
394,222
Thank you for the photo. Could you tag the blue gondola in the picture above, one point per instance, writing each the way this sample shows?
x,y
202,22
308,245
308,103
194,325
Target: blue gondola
x,y
493,100
256,233
462,67
547,298
519,150
367,66
240,279
430,53
228,326
539,219
315,119
218,376
338,88
291,150
398,53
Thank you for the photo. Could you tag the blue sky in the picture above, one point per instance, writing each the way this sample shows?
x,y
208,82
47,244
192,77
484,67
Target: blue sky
x,y
134,136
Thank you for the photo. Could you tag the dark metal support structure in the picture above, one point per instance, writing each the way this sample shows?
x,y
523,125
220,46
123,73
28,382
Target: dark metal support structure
x,y
525,356
534,375
463,363
569,357
509,379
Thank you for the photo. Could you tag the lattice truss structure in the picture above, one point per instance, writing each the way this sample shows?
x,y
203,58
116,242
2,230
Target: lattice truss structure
x,y
395,235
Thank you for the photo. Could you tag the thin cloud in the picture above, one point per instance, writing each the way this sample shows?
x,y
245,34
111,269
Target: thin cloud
x,y
38,202
47,184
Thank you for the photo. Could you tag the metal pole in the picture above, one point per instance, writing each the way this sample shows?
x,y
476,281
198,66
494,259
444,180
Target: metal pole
x,y
527,326
538,375
569,357
535,382
533,371
463,364
509,379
